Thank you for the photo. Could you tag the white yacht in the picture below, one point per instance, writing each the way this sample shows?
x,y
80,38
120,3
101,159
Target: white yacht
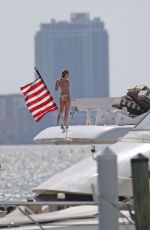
x,y
110,124
68,199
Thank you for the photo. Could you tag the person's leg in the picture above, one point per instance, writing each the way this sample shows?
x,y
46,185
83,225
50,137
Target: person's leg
x,y
67,108
62,105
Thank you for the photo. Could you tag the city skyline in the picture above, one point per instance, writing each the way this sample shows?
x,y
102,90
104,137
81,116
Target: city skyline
x,y
128,24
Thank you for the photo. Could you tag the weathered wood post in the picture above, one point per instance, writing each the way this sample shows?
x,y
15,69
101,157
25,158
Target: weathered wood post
x,y
140,181
108,190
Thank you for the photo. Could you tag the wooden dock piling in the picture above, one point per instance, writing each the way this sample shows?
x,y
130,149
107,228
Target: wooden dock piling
x,y
140,181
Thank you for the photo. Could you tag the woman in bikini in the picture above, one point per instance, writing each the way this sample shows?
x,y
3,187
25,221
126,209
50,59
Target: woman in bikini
x,y
65,100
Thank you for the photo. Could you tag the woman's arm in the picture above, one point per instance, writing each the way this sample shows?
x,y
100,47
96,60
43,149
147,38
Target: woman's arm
x,y
57,85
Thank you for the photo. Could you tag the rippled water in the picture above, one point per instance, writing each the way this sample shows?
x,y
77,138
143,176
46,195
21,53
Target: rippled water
x,y
25,167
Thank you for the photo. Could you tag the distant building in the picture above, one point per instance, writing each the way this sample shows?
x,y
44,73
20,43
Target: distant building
x,y
17,124
81,46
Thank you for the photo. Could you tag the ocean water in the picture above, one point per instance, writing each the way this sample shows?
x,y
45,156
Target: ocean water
x,y
23,167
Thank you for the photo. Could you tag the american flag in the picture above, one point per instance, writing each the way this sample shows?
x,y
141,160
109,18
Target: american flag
x,y
38,99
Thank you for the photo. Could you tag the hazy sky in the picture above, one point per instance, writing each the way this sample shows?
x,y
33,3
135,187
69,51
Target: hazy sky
x,y
127,21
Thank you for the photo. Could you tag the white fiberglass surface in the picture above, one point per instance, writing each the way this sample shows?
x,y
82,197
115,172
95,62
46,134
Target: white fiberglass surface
x,y
109,132
144,124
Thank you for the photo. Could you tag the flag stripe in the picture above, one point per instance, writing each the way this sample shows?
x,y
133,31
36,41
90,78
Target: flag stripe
x,y
38,107
36,83
36,95
24,87
27,87
38,99
43,110
37,119
35,88
34,101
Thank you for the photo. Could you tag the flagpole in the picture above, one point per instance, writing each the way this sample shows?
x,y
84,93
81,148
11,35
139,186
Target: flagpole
x,y
38,73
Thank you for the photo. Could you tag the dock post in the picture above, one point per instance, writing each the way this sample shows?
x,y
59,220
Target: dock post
x,y
108,190
140,181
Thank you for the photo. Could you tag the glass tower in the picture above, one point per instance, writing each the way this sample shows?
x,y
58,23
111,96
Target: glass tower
x,y
79,45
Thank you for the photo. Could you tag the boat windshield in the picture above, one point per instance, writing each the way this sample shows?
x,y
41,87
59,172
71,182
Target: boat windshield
x,y
144,124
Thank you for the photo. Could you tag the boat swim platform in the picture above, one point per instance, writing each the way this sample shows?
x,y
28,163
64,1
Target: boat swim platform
x,y
82,134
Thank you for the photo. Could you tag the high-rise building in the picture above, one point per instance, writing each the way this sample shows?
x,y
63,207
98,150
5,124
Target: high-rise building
x,y
17,124
81,46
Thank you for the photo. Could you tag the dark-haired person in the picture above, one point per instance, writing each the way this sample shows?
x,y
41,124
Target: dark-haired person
x,y
65,100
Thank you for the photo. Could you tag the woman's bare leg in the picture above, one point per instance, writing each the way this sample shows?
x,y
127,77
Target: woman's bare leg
x,y
67,108
62,105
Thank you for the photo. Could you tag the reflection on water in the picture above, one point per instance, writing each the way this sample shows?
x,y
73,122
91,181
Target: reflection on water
x,y
25,167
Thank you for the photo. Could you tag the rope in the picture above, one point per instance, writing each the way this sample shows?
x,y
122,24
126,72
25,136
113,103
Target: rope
x,y
124,204
34,221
